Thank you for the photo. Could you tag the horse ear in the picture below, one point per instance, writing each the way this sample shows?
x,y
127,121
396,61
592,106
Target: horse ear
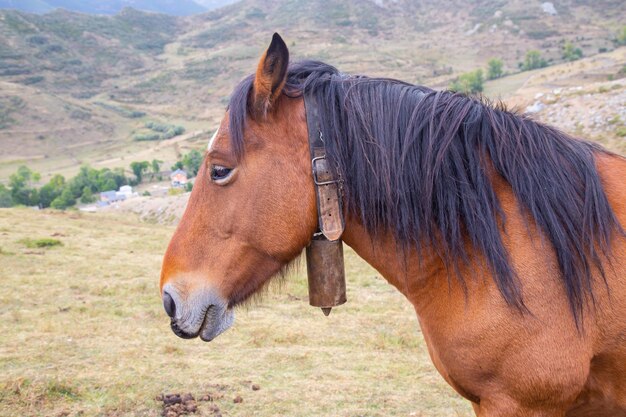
x,y
270,77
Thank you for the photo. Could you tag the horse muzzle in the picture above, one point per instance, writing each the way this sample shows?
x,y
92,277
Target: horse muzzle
x,y
203,313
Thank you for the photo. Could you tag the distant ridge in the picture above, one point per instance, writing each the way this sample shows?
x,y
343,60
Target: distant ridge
x,y
72,83
111,7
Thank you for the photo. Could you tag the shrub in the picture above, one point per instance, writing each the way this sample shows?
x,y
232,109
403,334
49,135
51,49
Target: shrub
x,y
173,131
533,61
157,127
571,53
78,114
621,37
469,83
32,80
175,191
166,131
37,40
494,68
140,137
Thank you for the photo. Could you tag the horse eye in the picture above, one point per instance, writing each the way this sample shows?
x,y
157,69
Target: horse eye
x,y
219,172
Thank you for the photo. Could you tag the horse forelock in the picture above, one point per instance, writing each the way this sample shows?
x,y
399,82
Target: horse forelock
x,y
418,163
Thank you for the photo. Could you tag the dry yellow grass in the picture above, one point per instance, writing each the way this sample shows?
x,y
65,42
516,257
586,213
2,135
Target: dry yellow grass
x,y
84,333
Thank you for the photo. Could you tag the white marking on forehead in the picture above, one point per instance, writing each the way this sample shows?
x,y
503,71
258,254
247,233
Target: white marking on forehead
x,y
212,140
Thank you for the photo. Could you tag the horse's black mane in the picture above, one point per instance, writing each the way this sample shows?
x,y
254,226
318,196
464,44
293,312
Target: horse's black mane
x,y
418,162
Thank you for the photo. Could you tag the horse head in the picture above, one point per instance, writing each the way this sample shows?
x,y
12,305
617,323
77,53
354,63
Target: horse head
x,y
252,209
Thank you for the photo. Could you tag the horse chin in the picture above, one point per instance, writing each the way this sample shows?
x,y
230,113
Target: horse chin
x,y
216,321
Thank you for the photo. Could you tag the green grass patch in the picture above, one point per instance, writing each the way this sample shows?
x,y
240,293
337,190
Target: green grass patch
x,y
40,243
61,389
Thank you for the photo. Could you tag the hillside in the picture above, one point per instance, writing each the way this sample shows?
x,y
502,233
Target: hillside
x,y
586,98
87,83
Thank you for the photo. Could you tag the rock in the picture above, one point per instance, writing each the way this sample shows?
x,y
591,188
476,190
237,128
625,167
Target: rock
x,y
548,8
238,399
256,387
536,107
474,29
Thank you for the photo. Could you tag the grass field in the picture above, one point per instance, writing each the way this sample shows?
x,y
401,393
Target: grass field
x,y
84,334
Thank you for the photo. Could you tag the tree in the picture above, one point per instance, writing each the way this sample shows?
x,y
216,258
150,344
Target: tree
x,y
177,165
571,53
156,166
22,190
6,200
51,190
107,184
65,200
495,68
110,180
58,193
469,83
192,162
87,196
533,61
138,169
86,177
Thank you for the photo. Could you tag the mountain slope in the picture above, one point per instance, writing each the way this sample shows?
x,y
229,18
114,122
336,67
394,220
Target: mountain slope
x,y
182,69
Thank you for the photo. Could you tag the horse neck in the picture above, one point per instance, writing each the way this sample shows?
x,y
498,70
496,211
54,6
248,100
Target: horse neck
x,y
417,276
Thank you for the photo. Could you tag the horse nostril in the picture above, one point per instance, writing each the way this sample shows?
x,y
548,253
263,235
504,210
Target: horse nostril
x,y
168,303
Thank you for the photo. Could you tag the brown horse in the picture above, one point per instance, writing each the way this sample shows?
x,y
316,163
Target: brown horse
x,y
503,233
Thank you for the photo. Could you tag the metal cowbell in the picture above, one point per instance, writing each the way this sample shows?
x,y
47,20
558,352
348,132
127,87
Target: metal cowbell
x,y
326,273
